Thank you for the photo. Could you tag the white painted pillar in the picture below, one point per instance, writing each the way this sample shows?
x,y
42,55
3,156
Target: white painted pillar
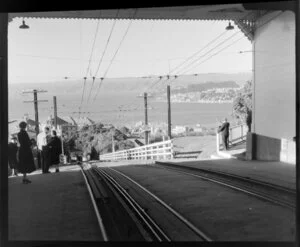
x,y
253,86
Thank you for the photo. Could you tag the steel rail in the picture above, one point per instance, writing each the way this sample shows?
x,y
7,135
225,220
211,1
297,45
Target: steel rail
x,y
234,187
226,174
178,215
146,219
99,219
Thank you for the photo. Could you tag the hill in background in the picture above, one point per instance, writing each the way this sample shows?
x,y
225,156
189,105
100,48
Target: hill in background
x,y
121,85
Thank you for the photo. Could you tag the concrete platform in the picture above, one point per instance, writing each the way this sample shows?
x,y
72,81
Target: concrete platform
x,y
279,173
54,206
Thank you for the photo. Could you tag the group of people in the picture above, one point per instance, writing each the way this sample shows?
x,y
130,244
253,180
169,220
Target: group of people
x,y
49,149
46,151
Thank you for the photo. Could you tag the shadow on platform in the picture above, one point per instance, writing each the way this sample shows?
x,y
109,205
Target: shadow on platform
x,y
54,206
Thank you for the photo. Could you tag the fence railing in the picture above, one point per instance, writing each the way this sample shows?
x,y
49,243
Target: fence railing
x,y
155,151
237,134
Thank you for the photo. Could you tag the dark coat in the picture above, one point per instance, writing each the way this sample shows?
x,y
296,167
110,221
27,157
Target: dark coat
x,y
26,162
12,155
55,149
224,128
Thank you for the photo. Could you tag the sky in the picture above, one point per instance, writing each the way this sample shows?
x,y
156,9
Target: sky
x,y
52,49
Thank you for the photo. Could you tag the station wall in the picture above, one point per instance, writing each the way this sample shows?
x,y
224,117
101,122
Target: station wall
x,y
274,87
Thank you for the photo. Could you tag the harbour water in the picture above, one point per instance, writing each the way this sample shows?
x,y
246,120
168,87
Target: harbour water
x,y
123,109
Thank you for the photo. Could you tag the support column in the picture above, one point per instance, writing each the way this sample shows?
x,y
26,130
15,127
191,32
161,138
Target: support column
x,y
3,129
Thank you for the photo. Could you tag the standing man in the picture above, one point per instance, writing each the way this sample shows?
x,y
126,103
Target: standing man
x,y
224,128
55,150
43,139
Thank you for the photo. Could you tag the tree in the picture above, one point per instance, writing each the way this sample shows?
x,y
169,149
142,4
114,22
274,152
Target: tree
x,y
242,105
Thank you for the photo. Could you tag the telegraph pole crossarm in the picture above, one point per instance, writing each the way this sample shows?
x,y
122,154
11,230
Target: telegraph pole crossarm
x,y
35,101
32,101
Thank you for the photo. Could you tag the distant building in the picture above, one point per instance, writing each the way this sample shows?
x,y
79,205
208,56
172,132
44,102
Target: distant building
x,y
82,121
51,122
64,126
68,119
30,123
179,130
138,124
198,129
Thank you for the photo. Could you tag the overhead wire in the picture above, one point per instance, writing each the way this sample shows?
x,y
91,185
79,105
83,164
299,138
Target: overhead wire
x,y
190,57
193,55
219,44
89,64
230,44
176,76
123,38
226,46
196,53
169,76
211,42
214,54
103,54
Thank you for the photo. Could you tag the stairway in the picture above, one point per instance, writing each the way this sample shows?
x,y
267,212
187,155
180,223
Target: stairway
x,y
186,155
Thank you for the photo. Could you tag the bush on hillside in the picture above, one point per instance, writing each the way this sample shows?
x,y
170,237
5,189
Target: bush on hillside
x,y
94,140
125,130
242,105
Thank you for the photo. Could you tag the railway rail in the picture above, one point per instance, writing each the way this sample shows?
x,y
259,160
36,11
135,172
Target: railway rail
x,y
106,188
269,192
131,212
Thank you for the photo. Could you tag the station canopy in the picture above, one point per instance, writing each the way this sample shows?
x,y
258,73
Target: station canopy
x,y
243,15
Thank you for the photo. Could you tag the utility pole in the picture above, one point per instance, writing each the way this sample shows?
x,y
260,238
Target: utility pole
x,y
146,119
146,96
35,101
169,111
113,143
55,112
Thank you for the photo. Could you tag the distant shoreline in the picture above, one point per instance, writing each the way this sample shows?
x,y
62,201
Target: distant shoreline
x,y
197,102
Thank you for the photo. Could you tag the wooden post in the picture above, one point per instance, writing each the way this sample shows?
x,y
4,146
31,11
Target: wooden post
x,y
172,150
218,142
37,131
169,112
230,137
62,144
55,111
113,143
146,119
242,132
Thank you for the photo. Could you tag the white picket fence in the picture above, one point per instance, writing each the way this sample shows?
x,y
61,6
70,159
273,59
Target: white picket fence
x,y
155,151
237,134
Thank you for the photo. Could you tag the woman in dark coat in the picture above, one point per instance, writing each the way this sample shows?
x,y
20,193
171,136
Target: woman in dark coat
x,y
55,150
26,162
